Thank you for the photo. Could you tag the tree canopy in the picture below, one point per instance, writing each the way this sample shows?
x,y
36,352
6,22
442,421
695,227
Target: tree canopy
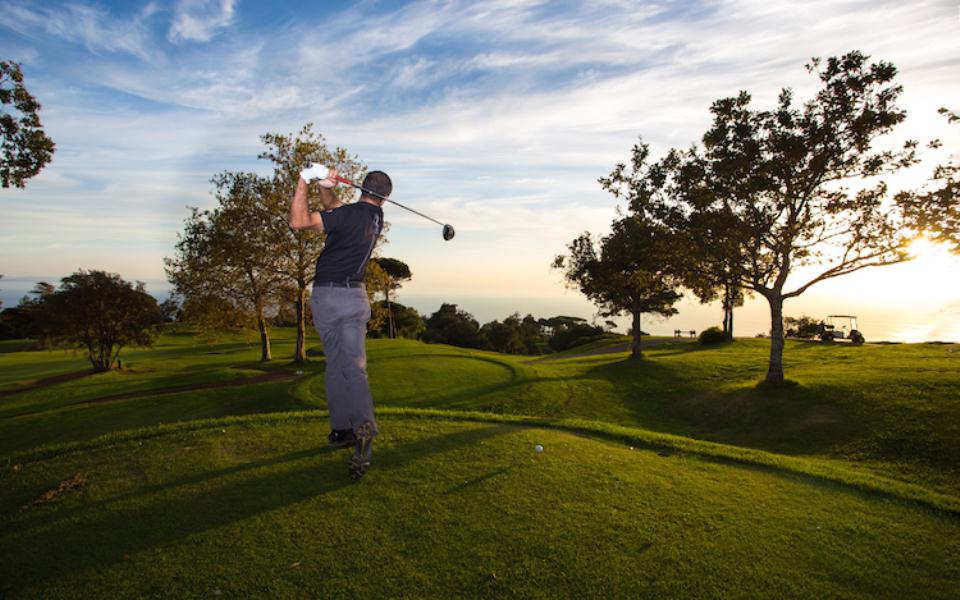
x,y
935,211
631,272
799,185
101,313
224,253
26,149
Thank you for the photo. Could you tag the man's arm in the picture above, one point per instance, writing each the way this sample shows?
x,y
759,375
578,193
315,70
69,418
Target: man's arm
x,y
328,199
300,215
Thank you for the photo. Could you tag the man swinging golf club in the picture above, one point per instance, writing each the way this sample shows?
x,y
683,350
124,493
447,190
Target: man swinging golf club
x,y
339,301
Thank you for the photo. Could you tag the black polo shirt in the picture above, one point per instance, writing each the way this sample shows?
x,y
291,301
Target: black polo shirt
x,y
352,232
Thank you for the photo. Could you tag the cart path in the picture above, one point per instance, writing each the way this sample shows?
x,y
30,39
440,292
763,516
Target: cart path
x,y
615,348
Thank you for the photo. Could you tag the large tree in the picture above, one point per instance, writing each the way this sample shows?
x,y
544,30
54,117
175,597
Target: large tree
x,y
704,254
801,185
26,148
631,272
224,253
297,250
101,313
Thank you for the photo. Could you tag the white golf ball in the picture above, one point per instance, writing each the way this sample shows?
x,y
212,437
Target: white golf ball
x,y
538,448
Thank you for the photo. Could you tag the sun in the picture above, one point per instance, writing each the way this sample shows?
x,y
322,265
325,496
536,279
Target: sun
x,y
922,248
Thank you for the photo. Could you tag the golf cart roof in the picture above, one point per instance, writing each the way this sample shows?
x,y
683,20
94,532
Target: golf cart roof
x,y
842,317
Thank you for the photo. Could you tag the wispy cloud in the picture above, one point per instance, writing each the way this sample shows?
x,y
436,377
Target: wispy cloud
x,y
200,20
91,26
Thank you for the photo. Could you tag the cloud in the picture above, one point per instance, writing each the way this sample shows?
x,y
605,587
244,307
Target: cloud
x,y
496,116
91,26
200,20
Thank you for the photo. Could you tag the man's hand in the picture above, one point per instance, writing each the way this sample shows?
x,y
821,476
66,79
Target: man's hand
x,y
313,172
330,181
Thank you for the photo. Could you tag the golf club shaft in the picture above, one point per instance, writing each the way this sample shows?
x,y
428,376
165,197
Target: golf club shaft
x,y
376,195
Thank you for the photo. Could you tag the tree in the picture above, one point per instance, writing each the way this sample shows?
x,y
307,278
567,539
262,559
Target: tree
x,y
213,314
573,334
450,325
224,252
531,333
407,322
506,337
101,313
397,272
26,148
630,274
297,250
671,192
803,327
26,320
169,309
781,180
936,212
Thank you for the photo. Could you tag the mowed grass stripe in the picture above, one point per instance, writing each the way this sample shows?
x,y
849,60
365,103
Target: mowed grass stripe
x,y
827,471
452,507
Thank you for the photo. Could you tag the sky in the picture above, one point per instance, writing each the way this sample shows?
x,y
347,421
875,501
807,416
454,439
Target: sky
x,y
496,117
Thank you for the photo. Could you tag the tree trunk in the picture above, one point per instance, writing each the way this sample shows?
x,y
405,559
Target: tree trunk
x,y
261,322
730,324
635,344
727,313
392,328
300,352
775,370
264,337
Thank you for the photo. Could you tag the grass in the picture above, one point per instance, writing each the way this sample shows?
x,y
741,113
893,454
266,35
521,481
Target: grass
x,y
672,476
454,507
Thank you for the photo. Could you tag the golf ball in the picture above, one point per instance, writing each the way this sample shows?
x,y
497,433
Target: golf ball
x,y
538,448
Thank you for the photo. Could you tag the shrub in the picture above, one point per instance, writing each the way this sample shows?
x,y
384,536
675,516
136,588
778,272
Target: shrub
x,y
711,335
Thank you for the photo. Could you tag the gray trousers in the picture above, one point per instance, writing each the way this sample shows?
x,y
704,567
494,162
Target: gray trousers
x,y
340,316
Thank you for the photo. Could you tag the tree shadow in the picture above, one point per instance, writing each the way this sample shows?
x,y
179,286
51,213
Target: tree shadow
x,y
47,382
144,519
790,418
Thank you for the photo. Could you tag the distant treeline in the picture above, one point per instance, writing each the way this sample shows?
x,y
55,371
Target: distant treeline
x,y
448,325
512,335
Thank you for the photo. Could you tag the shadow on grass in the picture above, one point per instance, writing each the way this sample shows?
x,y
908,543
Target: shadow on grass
x,y
47,382
101,534
9,346
789,418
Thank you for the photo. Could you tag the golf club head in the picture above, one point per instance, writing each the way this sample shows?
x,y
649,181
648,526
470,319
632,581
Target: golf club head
x,y
448,232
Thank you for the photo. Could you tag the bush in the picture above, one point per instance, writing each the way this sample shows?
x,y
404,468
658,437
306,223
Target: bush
x,y
564,338
804,327
711,335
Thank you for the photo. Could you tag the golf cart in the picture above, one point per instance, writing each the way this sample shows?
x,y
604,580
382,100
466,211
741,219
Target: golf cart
x,y
840,327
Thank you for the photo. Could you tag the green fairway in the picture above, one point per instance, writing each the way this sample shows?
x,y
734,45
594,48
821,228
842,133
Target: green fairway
x,y
205,473
260,507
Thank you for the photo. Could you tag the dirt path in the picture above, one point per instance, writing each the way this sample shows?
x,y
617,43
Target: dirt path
x,y
624,347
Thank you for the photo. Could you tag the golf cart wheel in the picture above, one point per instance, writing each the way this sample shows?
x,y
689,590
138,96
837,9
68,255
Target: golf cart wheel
x,y
826,337
857,338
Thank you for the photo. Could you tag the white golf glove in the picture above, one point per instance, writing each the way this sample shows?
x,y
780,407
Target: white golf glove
x,y
313,172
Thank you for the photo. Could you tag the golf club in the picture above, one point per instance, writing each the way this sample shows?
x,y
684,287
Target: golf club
x,y
448,231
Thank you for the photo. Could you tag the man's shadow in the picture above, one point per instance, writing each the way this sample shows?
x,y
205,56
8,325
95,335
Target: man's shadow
x,y
55,544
